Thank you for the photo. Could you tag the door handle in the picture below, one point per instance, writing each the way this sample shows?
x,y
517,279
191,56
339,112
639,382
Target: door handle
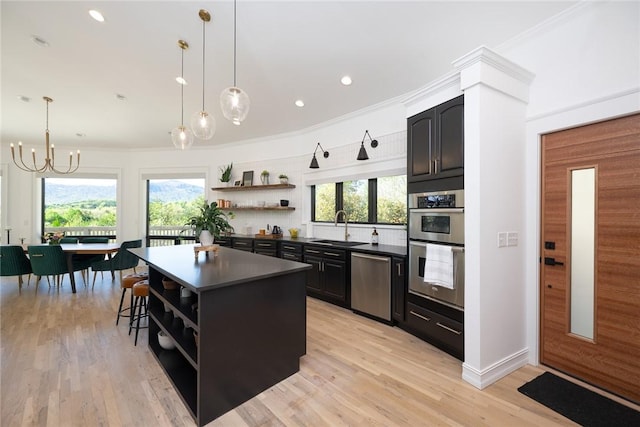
x,y
552,261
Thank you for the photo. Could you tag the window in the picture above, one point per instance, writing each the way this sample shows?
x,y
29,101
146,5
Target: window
x,y
368,201
170,203
79,206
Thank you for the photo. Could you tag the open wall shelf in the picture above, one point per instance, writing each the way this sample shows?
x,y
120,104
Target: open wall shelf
x,y
255,187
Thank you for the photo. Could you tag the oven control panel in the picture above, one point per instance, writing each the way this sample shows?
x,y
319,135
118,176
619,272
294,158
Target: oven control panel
x,y
444,199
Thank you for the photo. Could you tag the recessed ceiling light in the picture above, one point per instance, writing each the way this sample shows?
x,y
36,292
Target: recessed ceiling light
x,y
81,135
181,80
121,97
24,98
300,103
96,15
346,80
40,41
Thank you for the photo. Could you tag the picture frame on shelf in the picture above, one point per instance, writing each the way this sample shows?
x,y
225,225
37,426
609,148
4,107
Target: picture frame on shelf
x,y
247,178
238,183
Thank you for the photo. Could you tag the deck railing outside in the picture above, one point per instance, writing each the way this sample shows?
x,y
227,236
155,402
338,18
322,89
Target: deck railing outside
x,y
158,235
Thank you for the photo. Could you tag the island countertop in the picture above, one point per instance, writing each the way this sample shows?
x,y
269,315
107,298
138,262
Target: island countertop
x,y
227,268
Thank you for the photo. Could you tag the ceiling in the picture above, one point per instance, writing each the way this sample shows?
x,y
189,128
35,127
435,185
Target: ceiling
x,y
286,50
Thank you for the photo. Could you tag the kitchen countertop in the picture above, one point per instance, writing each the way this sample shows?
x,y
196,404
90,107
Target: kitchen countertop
x,y
392,250
229,267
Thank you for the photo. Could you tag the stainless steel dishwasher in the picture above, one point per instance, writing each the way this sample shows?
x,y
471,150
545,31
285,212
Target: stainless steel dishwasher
x,y
371,285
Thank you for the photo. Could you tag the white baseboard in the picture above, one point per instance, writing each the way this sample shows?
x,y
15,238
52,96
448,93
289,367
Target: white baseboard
x,y
485,377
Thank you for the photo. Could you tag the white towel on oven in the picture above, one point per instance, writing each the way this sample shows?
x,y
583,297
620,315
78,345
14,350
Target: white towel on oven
x,y
438,266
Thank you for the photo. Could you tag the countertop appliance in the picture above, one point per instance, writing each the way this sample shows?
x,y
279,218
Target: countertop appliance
x,y
371,285
437,218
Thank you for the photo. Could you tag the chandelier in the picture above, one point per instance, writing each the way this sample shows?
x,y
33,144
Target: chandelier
x,y
49,161
233,100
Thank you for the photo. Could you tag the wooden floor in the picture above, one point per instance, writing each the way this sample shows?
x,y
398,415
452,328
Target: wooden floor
x,y
65,363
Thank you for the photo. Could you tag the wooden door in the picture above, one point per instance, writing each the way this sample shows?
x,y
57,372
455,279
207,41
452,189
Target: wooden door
x,y
609,354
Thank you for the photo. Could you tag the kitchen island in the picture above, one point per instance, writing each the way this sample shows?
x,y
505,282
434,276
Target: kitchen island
x,y
241,330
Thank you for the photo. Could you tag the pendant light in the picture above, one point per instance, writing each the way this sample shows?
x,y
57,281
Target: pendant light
x,y
362,154
314,161
203,124
182,136
49,152
233,100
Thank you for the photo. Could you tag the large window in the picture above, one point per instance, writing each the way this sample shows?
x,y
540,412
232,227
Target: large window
x,y
368,201
79,206
170,204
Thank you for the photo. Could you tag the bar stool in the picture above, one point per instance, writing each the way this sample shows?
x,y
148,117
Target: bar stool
x,y
127,283
140,292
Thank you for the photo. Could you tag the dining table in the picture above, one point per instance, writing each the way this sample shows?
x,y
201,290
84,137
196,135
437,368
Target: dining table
x,y
71,249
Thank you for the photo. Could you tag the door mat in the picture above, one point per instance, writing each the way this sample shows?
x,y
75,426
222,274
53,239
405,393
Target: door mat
x,y
580,405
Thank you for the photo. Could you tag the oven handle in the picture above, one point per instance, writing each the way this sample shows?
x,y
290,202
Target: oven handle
x,y
423,245
436,210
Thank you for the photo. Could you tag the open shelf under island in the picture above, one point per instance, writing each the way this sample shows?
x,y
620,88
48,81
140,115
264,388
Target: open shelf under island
x,y
248,311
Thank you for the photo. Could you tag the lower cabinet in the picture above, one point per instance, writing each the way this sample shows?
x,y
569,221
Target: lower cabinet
x,y
242,243
291,251
444,332
327,278
265,247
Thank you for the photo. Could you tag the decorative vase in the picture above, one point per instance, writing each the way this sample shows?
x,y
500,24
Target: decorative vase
x,y
264,179
206,238
284,181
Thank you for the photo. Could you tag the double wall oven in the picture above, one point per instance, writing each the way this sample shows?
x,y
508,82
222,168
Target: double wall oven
x,y
437,218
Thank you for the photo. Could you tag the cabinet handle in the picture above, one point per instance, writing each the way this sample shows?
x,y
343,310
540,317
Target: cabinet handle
x,y
332,254
435,166
268,245
311,251
290,256
448,328
428,319
291,248
399,272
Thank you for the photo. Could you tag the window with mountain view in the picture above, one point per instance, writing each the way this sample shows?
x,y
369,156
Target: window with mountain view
x,y
170,204
79,206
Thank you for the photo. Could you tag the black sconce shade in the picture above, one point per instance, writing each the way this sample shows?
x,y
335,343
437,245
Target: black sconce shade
x,y
314,161
362,154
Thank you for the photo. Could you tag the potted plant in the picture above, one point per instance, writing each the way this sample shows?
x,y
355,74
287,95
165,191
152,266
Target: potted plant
x,y
264,177
284,179
226,173
210,223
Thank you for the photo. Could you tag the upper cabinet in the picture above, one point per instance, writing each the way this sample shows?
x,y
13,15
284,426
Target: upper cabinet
x,y
435,142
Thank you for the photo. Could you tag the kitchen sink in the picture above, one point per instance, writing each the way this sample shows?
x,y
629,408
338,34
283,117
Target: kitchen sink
x,y
340,243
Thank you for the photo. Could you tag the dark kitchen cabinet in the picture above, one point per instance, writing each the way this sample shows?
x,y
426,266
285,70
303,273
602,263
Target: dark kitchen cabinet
x,y
327,278
242,243
398,288
265,247
291,251
435,142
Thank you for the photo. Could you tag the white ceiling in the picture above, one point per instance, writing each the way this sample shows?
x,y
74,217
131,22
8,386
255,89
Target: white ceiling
x,y
286,50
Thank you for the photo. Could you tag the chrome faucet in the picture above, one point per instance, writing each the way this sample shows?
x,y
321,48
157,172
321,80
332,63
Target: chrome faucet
x,y
346,223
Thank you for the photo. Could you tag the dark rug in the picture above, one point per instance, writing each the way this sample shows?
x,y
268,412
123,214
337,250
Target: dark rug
x,y
580,405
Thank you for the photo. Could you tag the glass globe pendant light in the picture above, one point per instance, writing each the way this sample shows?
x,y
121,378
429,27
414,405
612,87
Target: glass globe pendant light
x,y
233,100
182,136
203,124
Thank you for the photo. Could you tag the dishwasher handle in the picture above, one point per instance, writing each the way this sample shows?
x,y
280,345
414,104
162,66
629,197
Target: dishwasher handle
x,y
371,257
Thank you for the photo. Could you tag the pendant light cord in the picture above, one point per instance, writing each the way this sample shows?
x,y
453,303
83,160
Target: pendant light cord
x,y
203,57
182,90
234,43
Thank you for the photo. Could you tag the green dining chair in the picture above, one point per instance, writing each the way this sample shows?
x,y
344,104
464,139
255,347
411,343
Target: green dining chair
x,y
94,239
49,260
14,262
69,240
122,260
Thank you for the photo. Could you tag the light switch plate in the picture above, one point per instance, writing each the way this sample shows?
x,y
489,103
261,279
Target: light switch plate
x,y
512,238
502,239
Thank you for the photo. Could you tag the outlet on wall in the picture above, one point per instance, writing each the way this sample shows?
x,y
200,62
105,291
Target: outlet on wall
x,y
502,239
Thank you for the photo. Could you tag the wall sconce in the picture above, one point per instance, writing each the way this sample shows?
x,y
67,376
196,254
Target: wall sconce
x,y
314,161
362,154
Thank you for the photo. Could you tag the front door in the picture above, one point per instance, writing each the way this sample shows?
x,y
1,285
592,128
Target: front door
x,y
590,263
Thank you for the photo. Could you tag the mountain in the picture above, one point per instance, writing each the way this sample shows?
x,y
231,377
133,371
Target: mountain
x,y
166,191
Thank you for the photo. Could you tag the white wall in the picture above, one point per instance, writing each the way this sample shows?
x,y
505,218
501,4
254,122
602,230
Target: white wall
x,y
587,67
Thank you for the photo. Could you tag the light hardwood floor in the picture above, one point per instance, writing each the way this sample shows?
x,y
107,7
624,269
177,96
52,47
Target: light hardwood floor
x,y
66,363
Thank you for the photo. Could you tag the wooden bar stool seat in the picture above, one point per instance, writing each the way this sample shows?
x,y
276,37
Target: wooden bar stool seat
x,y
127,282
140,292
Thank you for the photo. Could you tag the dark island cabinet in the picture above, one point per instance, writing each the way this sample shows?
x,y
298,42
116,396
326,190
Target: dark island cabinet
x,y
398,289
327,278
242,243
435,142
265,247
